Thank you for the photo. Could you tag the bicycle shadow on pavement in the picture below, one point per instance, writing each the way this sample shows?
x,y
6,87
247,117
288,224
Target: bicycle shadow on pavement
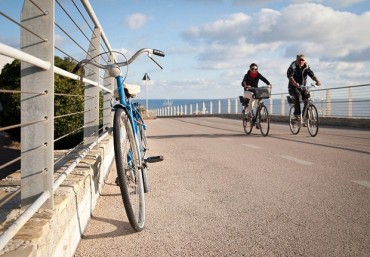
x,y
122,229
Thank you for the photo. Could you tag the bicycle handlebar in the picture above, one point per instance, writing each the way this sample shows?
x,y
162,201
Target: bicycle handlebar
x,y
312,85
109,67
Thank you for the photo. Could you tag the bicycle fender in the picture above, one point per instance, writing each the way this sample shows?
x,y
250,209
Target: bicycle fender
x,y
118,105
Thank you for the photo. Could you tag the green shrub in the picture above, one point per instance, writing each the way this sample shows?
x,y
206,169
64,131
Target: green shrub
x,y
72,101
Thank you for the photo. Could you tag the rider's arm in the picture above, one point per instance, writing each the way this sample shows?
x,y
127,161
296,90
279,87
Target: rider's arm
x,y
290,74
313,77
264,79
245,81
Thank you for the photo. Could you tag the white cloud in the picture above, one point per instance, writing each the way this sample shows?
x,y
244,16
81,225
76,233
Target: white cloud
x,y
314,29
221,30
136,21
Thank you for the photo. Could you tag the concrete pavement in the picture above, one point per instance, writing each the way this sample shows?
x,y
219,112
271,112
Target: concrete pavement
x,y
220,192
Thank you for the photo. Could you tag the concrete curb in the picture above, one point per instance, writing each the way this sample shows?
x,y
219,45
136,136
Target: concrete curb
x,y
58,232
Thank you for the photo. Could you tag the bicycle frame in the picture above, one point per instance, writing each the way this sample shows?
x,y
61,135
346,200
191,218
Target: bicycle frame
x,y
125,103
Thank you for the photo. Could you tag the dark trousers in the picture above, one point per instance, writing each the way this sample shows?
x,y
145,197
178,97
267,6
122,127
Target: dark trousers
x,y
296,93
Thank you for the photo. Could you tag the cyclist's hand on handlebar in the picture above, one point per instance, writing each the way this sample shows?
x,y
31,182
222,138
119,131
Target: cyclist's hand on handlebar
x,y
318,83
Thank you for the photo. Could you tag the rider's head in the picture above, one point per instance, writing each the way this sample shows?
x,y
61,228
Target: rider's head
x,y
253,67
301,60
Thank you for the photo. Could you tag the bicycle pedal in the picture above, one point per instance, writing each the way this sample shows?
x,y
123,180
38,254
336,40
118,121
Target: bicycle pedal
x,y
153,159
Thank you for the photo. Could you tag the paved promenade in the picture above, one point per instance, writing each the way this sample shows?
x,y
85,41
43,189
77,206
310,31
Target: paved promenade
x,y
220,192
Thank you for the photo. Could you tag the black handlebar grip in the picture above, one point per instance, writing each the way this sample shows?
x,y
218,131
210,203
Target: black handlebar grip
x,y
158,52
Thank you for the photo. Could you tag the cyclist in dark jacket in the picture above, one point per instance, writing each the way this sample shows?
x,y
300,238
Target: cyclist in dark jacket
x,y
250,80
297,74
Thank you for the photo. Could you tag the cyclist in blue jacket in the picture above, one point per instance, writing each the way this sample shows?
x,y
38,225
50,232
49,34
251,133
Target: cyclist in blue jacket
x,y
297,74
250,81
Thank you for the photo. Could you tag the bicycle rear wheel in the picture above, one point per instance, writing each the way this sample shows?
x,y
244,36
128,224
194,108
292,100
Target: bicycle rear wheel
x,y
264,120
247,125
294,124
129,174
312,120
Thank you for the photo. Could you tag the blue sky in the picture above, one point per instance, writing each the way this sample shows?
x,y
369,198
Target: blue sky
x,y
209,44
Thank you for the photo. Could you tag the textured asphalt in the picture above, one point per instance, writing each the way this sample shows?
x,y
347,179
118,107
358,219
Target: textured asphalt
x,y
220,192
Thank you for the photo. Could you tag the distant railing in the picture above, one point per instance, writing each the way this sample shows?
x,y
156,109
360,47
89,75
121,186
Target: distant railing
x,y
346,102
69,30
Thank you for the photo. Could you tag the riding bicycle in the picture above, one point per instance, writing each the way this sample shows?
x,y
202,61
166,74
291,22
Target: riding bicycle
x,y
309,117
129,140
260,118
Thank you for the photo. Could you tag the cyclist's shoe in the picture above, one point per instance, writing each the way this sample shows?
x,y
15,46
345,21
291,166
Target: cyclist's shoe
x,y
243,111
257,126
117,183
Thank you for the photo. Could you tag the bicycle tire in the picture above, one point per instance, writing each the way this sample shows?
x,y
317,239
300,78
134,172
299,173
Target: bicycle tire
x,y
247,125
143,149
294,125
130,179
145,179
264,120
312,120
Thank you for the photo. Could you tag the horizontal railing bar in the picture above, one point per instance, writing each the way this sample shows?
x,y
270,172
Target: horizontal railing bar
x,y
21,92
20,125
22,56
80,157
22,219
70,75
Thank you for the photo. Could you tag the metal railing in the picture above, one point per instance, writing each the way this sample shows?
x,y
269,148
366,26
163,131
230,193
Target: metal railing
x,y
346,102
65,29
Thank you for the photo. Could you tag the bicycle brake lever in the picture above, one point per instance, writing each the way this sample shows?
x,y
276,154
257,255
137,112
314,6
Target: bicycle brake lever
x,y
79,65
155,62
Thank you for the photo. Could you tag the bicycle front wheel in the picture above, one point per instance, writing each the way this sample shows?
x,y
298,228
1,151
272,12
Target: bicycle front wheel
x,y
294,124
264,120
247,125
129,174
143,150
312,120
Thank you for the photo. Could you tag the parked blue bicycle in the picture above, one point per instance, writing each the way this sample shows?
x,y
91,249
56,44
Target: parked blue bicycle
x,y
130,145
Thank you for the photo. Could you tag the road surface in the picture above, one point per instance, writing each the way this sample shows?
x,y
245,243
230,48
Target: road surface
x,y
220,192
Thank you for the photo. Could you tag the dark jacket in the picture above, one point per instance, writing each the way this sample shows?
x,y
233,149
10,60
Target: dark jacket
x,y
299,74
254,81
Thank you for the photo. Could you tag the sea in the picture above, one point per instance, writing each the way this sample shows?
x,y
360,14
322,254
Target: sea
x,y
359,108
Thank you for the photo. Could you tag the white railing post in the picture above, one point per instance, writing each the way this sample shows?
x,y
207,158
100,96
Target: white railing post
x,y
191,109
186,109
109,83
210,107
219,106
328,103
196,109
349,102
282,102
91,103
236,105
271,102
228,106
37,148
